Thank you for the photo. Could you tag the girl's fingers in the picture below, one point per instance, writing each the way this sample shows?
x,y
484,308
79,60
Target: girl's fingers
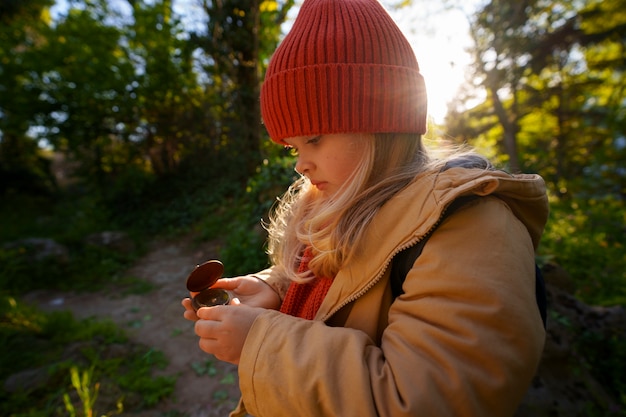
x,y
227,283
190,313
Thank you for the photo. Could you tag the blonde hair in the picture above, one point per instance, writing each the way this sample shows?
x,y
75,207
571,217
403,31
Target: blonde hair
x,y
333,228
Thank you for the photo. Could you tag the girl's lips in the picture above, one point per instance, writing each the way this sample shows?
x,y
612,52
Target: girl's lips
x,y
320,185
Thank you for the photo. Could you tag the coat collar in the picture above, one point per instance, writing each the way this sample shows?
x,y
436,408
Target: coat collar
x,y
413,212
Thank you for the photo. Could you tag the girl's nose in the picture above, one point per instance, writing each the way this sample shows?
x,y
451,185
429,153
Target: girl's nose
x,y
303,165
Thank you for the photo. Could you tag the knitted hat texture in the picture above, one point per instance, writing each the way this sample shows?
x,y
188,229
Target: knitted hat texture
x,y
344,67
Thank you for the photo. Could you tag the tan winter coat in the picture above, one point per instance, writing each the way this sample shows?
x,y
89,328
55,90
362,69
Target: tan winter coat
x,y
464,339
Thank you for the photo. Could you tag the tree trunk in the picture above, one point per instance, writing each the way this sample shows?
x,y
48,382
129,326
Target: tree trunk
x,y
510,131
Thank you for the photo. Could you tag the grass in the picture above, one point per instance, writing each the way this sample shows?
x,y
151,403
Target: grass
x,y
54,348
45,353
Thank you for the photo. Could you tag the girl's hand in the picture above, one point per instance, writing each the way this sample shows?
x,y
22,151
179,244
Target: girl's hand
x,y
223,329
190,313
250,291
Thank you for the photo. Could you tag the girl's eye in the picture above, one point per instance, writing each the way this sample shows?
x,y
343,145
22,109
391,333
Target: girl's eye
x,y
314,140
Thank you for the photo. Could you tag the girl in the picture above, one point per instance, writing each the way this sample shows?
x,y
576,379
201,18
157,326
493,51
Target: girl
x,y
321,333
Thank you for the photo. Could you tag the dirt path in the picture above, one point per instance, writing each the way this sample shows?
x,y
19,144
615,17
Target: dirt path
x,y
155,319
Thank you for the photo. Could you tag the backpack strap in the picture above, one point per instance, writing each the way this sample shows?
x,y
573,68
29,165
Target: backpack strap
x,y
540,295
403,262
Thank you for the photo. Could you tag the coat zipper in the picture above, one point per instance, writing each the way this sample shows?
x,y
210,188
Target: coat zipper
x,y
377,278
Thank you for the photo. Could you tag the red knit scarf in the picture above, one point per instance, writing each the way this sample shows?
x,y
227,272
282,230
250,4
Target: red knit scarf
x,y
303,300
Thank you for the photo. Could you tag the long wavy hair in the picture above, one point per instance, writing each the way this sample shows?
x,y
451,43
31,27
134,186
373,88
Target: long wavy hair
x,y
333,227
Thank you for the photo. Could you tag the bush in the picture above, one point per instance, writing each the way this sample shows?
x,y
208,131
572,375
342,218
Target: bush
x,y
588,239
87,267
240,222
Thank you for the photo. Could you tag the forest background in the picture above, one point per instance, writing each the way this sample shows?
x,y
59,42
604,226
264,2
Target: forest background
x,y
133,122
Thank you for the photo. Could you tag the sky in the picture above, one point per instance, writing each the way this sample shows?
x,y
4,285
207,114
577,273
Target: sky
x,y
440,39
438,36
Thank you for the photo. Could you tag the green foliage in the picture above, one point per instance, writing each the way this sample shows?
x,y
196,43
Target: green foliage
x,y
272,178
244,250
131,92
31,339
87,393
587,237
204,368
167,205
245,239
53,344
66,220
64,216
208,368
134,374
22,164
553,76
24,167
87,268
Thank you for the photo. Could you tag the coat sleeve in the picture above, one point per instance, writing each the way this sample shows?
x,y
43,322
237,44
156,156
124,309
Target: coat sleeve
x,y
276,280
463,340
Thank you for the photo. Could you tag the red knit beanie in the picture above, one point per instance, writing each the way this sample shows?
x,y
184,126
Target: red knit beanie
x,y
345,67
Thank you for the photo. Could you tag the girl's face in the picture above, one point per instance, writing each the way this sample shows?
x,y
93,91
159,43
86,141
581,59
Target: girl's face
x,y
328,161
